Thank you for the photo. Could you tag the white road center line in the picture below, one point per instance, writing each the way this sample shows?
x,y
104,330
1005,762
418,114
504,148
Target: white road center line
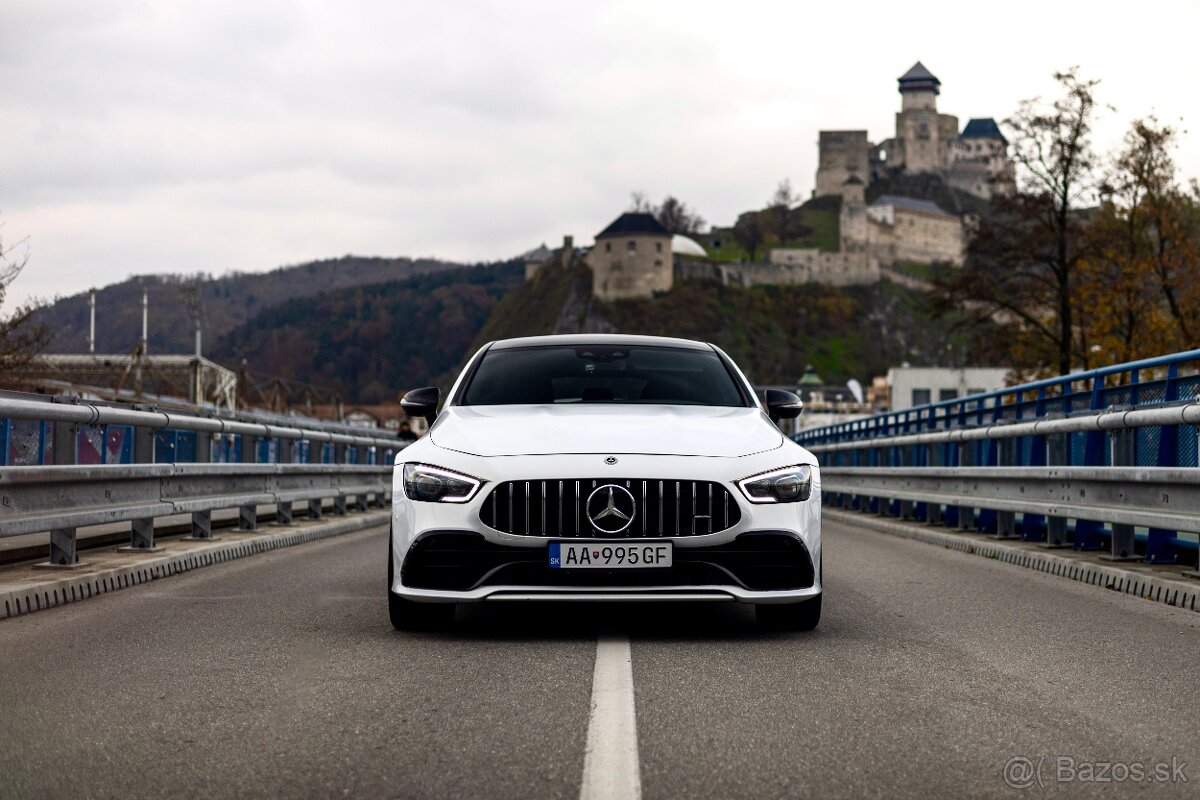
x,y
610,763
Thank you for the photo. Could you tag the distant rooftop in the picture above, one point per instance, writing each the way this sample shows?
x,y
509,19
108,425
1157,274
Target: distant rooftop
x,y
982,128
539,255
910,203
919,79
633,222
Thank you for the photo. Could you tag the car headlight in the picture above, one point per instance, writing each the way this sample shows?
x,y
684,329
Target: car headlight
x,y
788,485
437,485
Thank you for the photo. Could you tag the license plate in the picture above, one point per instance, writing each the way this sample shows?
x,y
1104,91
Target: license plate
x,y
606,555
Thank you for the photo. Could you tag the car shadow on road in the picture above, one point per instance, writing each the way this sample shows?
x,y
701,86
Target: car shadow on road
x,y
549,621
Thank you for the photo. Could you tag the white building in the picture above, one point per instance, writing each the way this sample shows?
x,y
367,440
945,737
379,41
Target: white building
x,y
917,386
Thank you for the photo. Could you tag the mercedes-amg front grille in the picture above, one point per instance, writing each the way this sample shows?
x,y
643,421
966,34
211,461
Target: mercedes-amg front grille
x,y
559,507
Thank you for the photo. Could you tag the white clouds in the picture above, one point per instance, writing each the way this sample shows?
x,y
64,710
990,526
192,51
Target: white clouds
x,y
230,135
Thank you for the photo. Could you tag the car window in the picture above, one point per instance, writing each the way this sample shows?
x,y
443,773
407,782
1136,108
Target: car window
x,y
602,374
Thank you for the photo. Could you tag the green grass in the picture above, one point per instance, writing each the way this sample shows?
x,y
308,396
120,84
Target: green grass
x,y
816,223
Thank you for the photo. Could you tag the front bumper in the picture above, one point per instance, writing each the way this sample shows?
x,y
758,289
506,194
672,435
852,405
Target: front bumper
x,y
754,567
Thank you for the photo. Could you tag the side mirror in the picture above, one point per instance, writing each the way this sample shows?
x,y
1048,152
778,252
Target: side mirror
x,y
783,405
422,403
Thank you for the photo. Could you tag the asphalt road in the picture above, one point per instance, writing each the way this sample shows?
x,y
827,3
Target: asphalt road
x,y
279,676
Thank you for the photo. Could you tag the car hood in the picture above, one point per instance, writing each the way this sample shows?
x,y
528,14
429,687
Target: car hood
x,y
596,428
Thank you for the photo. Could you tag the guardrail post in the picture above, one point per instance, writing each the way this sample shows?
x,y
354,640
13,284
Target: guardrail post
x,y
201,526
883,505
247,514
906,460
1006,521
286,448
141,532
314,508
339,453
204,447
63,552
248,518
966,458
1057,455
1123,444
1158,540
283,512
143,445
249,449
361,501
339,504
933,511
141,537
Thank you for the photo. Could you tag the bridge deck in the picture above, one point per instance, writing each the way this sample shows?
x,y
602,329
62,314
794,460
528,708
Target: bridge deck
x,y
279,675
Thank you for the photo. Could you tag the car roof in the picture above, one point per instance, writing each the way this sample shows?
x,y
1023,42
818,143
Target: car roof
x,y
610,339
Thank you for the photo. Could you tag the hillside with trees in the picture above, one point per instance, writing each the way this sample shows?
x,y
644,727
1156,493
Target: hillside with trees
x,y
773,332
371,343
222,302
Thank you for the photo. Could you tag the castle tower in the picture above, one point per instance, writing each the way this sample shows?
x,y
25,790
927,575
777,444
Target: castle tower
x,y
923,136
631,258
852,218
919,89
841,155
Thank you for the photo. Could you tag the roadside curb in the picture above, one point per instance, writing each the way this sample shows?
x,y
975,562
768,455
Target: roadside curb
x,y
1148,587
75,587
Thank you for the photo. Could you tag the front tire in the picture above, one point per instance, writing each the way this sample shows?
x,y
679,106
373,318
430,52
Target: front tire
x,y
407,615
791,616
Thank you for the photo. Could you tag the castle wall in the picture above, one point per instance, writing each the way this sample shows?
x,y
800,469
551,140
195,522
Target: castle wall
x,y
980,166
799,265
900,234
630,265
852,227
841,154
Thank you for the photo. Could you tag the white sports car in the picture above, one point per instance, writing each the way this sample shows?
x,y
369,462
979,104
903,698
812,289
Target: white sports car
x,y
604,467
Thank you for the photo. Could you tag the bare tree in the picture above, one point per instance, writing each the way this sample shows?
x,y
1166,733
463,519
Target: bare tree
x,y
676,217
1024,258
779,210
673,214
748,232
1053,145
21,339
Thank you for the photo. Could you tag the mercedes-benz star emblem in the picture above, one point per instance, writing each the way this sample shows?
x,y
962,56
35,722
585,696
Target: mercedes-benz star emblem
x,y
611,508
610,460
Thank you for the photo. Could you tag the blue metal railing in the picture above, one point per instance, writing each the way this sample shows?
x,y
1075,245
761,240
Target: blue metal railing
x,y
27,440
1166,380
31,443
1151,381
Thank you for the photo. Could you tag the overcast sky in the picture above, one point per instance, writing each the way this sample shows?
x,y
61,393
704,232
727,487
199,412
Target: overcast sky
x,y
217,135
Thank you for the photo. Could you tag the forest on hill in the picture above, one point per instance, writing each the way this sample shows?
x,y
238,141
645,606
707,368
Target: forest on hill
x,y
773,332
223,302
371,343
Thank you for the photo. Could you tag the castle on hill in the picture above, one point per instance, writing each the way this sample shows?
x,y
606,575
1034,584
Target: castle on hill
x,y
926,141
636,257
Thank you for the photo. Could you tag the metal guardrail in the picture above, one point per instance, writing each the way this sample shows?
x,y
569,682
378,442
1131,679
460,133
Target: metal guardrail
x,y
1124,420
1153,497
1152,381
62,499
65,495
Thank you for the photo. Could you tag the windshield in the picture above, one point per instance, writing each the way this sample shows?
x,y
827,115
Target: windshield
x,y
602,374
